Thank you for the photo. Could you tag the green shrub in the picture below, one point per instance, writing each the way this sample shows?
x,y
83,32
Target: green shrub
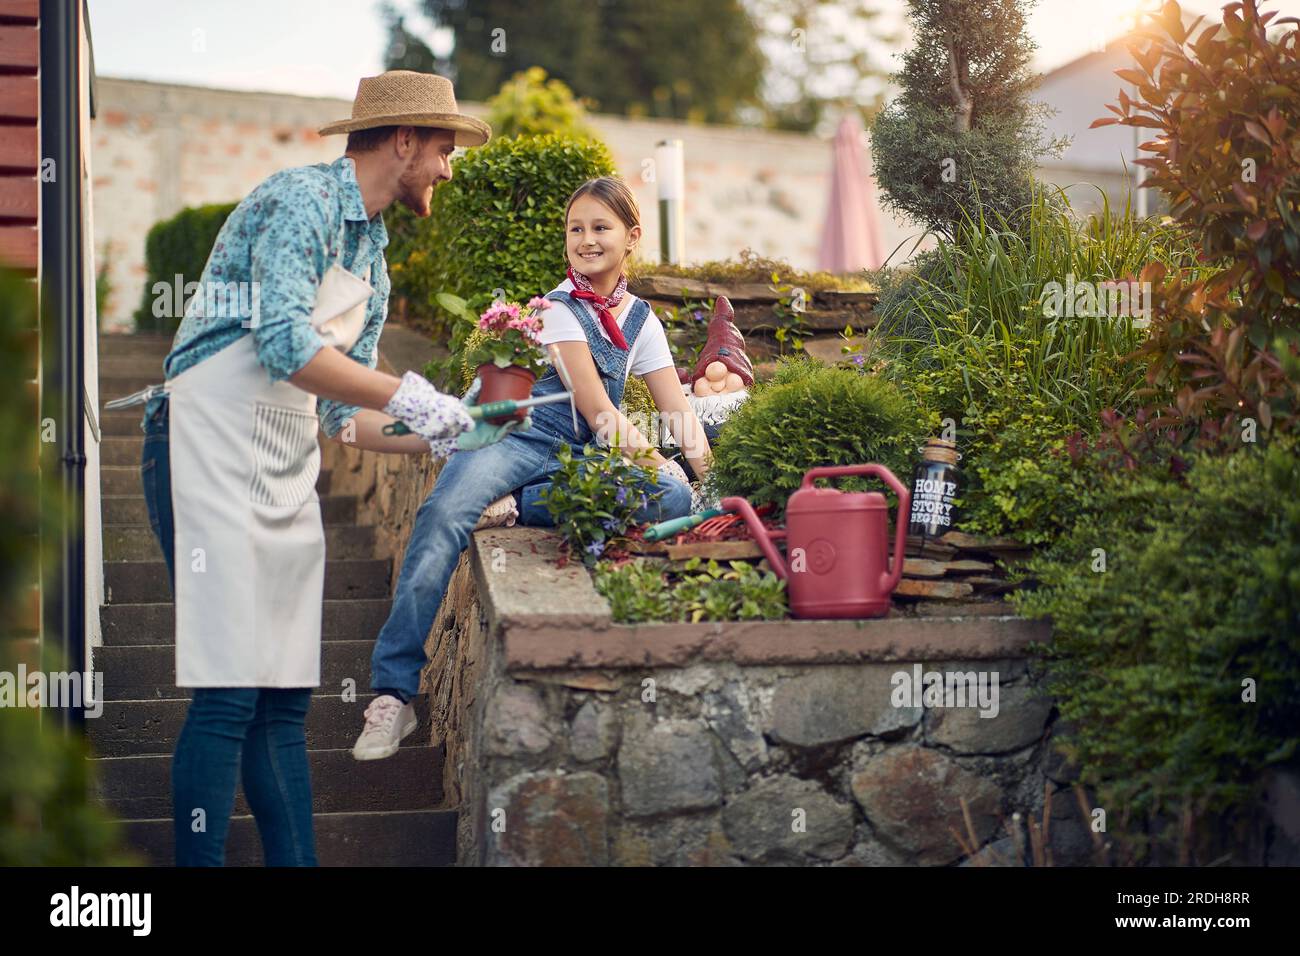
x,y
640,592
45,816
178,246
972,338
529,104
496,229
809,415
1223,353
637,592
1200,591
984,311
1018,478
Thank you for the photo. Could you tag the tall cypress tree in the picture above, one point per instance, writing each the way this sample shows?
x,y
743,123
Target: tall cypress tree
x,y
683,59
963,133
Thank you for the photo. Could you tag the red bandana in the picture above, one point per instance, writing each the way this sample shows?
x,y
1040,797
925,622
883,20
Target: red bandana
x,y
582,289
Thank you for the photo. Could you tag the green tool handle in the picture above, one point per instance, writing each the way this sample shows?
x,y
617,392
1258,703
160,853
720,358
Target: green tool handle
x,y
666,529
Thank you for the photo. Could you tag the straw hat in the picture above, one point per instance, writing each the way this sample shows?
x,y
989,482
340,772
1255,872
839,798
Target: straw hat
x,y
407,98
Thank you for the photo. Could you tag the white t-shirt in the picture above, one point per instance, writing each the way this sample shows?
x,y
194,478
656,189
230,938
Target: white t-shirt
x,y
649,352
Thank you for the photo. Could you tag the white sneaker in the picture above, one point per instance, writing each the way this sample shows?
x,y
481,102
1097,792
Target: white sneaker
x,y
388,720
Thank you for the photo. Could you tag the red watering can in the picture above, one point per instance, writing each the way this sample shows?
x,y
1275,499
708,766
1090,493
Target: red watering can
x,y
837,543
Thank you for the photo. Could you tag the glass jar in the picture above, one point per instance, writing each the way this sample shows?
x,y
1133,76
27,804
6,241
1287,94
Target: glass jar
x,y
934,486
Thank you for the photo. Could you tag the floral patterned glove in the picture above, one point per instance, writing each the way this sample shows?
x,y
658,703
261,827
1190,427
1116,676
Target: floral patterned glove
x,y
702,500
426,411
482,434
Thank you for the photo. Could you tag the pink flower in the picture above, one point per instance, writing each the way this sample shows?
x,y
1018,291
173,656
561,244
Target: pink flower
x,y
537,303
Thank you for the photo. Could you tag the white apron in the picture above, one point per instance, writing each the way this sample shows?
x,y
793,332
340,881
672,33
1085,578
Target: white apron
x,y
250,547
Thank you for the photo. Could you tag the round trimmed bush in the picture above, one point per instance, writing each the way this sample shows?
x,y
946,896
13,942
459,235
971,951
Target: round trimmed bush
x,y
809,415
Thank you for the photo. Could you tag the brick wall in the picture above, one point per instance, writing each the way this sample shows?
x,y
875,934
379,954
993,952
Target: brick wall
x,y
161,147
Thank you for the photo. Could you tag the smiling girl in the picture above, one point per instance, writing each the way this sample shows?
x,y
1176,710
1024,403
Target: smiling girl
x,y
601,334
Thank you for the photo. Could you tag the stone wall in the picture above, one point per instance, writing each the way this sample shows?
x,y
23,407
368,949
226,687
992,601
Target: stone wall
x,y
758,743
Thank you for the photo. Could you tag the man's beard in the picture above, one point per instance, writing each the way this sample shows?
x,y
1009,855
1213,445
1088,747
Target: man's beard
x,y
412,193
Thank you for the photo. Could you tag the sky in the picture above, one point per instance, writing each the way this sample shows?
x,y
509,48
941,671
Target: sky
x,y
316,48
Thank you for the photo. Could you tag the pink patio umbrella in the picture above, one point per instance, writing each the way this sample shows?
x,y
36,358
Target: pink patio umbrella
x,y
850,238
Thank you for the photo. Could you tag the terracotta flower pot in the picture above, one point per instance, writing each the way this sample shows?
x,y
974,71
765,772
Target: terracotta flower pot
x,y
511,383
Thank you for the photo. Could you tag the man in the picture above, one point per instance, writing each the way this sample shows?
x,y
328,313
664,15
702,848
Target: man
x,y
237,429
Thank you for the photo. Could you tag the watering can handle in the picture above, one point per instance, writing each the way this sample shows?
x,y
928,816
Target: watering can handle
x,y
895,572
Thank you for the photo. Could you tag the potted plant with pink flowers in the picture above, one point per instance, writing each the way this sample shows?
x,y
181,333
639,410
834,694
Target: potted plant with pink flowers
x,y
505,348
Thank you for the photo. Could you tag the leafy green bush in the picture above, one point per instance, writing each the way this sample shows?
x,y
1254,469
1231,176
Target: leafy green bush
x,y
530,104
809,415
974,338
496,229
637,592
1149,657
177,246
1223,353
640,592
1018,477
594,498
45,817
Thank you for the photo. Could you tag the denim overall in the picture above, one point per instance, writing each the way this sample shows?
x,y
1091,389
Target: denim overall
x,y
472,480
611,362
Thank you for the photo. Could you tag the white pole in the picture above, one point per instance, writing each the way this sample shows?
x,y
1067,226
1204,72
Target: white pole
x,y
670,173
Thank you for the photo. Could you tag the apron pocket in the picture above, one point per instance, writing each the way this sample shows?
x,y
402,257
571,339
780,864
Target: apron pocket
x,y
286,458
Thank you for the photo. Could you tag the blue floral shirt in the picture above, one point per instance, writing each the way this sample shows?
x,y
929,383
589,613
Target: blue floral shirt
x,y
280,241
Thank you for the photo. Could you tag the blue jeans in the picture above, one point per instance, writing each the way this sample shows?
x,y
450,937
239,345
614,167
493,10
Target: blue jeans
x,y
468,483
256,733
259,731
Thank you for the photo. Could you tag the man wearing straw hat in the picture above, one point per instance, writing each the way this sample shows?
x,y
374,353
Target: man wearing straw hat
x,y
231,456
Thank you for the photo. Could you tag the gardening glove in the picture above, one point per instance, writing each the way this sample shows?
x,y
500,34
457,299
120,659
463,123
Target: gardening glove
x,y
485,433
673,470
426,411
702,499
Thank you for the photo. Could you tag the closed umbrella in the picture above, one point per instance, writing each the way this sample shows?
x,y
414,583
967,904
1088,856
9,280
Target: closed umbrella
x,y
850,240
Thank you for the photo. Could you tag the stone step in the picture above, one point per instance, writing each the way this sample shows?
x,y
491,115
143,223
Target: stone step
x,y
134,346
137,542
131,366
411,779
126,625
120,386
145,582
122,424
148,671
131,728
124,479
117,451
130,509
386,838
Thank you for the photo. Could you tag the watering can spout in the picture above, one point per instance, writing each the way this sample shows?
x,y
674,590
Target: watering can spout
x,y
761,534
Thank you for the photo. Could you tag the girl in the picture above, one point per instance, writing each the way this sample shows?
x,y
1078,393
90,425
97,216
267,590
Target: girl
x,y
602,333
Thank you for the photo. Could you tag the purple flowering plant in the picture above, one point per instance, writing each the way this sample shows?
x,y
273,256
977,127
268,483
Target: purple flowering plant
x,y
594,498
